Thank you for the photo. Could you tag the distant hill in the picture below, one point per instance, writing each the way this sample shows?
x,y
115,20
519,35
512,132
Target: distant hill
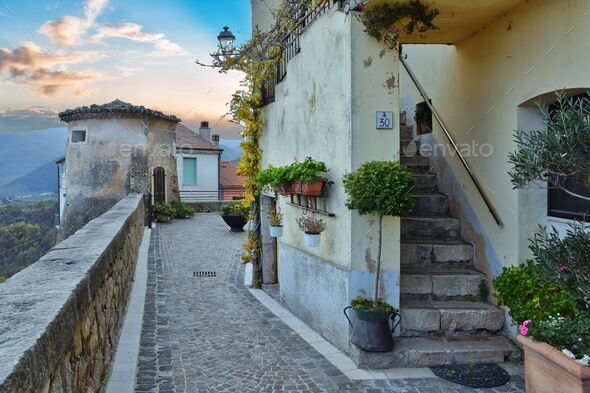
x,y
38,181
231,149
22,153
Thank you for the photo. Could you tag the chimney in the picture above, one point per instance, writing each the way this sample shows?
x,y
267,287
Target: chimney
x,y
205,131
215,139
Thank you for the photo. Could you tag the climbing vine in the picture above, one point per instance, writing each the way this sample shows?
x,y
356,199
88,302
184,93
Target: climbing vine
x,y
388,21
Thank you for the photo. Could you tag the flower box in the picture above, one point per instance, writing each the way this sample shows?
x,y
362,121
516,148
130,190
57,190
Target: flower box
x,y
286,189
547,370
308,189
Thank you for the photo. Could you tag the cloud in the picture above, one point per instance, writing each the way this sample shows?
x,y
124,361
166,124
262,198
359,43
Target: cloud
x,y
46,72
69,30
28,119
133,32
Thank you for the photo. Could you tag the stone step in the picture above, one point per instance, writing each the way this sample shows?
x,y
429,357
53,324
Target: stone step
x,y
440,283
426,182
406,132
430,227
431,204
449,318
410,147
416,162
431,252
438,351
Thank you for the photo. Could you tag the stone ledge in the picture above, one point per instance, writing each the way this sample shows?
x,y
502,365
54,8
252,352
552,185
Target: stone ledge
x,y
44,306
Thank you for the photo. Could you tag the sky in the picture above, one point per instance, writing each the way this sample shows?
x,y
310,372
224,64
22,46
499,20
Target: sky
x,y
56,55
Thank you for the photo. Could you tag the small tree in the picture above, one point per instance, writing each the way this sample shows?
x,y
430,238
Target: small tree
x,y
381,188
560,151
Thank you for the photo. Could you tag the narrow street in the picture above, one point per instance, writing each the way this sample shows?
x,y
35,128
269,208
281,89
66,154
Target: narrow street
x,y
203,331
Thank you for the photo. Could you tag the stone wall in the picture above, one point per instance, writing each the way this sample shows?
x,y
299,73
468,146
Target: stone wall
x,y
60,318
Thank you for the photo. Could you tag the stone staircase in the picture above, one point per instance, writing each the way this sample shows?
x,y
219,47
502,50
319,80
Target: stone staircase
x,y
445,318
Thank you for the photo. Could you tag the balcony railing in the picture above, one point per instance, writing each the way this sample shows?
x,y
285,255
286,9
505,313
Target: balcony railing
x,y
304,16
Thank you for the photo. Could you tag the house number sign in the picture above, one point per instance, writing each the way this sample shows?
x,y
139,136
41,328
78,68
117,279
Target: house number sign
x,y
384,120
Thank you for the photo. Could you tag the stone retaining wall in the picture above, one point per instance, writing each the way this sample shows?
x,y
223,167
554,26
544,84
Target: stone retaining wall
x,y
60,318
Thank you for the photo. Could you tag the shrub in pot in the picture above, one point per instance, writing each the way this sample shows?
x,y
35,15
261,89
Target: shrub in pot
x,y
164,213
182,209
379,188
552,313
276,223
236,215
308,177
312,228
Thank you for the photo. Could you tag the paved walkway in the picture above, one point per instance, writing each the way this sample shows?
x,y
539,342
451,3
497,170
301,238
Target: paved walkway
x,y
205,333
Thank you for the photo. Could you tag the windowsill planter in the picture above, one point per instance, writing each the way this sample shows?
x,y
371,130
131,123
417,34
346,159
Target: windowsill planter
x,y
286,189
549,370
308,189
311,239
276,231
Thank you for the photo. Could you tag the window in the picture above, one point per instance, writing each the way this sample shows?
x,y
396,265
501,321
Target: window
x,y
78,136
189,171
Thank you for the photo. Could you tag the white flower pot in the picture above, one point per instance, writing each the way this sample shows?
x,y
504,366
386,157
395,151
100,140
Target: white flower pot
x,y
276,231
311,240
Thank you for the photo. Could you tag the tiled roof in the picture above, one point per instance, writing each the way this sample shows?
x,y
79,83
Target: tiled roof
x,y
229,175
188,139
116,108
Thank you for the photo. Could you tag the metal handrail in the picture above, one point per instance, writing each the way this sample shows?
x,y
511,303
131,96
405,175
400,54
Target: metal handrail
x,y
472,175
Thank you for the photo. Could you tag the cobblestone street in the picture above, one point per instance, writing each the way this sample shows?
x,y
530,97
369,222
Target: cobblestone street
x,y
203,331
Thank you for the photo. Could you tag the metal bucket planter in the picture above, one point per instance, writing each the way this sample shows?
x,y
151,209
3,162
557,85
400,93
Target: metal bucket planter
x,y
276,231
235,223
372,331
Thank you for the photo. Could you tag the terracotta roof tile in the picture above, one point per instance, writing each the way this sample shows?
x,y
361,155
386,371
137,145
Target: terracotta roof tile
x,y
188,139
229,175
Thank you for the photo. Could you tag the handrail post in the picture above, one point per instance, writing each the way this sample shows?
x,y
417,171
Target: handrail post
x,y
485,198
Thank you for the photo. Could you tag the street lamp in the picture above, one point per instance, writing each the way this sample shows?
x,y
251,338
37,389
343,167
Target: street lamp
x,y
226,40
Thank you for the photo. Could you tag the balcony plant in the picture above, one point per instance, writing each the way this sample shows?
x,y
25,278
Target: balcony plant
x,y
312,228
276,223
182,209
278,179
308,177
236,215
378,188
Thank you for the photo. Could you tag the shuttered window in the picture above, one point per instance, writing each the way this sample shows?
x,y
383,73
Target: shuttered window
x,y
189,171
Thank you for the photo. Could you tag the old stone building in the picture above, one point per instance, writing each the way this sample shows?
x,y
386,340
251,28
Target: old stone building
x,y
113,150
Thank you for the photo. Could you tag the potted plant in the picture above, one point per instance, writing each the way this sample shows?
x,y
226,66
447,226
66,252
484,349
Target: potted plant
x,y
236,215
278,179
547,297
312,228
164,213
380,188
276,223
308,177
182,209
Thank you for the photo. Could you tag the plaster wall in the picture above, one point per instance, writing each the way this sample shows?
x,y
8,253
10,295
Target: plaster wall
x,y
207,186
478,85
262,13
325,108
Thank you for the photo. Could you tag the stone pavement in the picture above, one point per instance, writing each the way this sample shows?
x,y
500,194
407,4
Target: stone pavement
x,y
203,331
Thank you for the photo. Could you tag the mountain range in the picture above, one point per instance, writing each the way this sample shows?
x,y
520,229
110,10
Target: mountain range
x,y
28,160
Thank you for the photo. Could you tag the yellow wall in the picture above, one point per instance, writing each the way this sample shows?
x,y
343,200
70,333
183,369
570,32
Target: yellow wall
x,y
478,85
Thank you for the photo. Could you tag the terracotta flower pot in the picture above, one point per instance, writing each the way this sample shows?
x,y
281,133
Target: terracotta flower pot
x,y
312,189
286,189
548,370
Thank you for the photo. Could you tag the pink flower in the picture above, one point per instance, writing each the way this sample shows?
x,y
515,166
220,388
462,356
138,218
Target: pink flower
x,y
563,268
524,330
361,6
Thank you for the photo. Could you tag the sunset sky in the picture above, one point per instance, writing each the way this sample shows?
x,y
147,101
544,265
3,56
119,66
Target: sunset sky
x,y
56,55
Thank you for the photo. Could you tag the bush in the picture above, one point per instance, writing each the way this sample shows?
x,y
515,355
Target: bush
x,y
530,297
382,188
564,333
565,260
182,209
162,209
235,209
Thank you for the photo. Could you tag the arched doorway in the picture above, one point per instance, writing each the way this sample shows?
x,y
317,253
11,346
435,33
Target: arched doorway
x,y
159,185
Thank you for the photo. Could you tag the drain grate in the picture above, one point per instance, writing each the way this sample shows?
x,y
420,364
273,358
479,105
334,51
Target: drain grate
x,y
204,274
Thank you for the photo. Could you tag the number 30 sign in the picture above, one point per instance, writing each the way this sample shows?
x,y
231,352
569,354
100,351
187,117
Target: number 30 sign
x,y
384,120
